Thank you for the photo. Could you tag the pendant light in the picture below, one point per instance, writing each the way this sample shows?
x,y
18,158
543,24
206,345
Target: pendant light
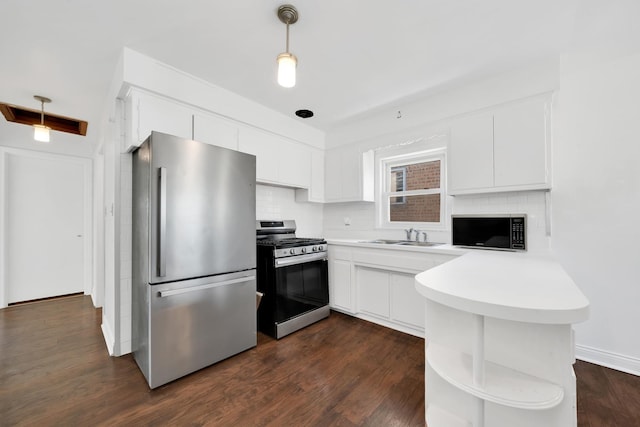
x,y
287,62
41,132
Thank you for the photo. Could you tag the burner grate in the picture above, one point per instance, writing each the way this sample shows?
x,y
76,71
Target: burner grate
x,y
290,242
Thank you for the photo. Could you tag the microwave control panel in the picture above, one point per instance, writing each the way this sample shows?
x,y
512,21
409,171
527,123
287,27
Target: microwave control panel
x,y
517,233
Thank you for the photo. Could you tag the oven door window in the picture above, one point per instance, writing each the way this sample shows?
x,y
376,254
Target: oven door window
x,y
301,288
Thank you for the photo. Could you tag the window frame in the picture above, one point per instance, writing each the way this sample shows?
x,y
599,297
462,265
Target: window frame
x,y
384,165
404,183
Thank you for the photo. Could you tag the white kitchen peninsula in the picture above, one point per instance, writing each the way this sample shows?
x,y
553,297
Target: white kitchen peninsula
x,y
499,342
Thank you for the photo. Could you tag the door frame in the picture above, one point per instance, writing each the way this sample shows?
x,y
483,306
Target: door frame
x,y
87,166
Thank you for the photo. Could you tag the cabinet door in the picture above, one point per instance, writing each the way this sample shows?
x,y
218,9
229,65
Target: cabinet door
x,y
145,113
215,131
471,153
294,164
348,175
333,175
350,170
161,115
373,291
265,147
407,305
316,188
520,144
340,285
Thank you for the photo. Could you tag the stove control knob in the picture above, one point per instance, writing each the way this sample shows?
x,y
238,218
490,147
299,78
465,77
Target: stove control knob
x,y
304,250
292,251
314,249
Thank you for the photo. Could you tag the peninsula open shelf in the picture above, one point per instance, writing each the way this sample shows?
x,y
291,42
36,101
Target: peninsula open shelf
x,y
499,342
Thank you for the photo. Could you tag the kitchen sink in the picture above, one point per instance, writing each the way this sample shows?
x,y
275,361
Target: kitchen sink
x,y
412,243
383,241
401,242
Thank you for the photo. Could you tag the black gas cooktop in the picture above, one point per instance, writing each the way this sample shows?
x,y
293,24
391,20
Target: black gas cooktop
x,y
290,242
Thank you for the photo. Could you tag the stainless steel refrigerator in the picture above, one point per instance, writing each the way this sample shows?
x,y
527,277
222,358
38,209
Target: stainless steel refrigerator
x,y
194,256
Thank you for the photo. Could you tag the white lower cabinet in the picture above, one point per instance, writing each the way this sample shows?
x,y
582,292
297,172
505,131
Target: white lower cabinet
x,y
373,291
390,295
340,289
378,285
405,304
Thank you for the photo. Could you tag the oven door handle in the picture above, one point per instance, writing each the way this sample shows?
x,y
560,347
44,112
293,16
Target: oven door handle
x,y
300,259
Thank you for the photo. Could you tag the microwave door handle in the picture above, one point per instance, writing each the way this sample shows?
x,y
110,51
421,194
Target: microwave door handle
x,y
162,223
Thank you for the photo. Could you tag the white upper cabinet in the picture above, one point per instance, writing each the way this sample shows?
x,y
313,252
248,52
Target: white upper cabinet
x,y
294,164
146,112
215,131
279,161
505,149
264,146
315,192
348,174
471,153
520,144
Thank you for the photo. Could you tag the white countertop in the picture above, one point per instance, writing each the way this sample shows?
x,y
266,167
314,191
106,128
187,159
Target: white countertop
x,y
507,285
361,243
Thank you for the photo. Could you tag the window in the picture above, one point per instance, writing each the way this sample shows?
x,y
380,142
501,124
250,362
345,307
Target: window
x,y
411,190
398,181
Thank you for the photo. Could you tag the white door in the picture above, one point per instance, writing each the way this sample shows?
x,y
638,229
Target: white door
x,y
44,226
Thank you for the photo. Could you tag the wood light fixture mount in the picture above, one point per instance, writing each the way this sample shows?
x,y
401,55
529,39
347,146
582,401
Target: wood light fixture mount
x,y
31,117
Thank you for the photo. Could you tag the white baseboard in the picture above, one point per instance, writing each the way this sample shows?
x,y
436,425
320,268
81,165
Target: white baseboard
x,y
108,337
619,362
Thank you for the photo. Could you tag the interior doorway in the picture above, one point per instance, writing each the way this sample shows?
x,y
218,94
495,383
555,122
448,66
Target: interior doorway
x,y
47,235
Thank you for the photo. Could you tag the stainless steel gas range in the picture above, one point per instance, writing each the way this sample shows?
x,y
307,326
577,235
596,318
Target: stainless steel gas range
x,y
293,277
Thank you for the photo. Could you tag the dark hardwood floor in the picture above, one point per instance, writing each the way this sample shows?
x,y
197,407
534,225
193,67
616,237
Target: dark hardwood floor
x,y
55,370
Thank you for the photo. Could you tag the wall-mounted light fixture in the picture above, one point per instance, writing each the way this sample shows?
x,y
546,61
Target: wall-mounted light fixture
x,y
287,62
40,131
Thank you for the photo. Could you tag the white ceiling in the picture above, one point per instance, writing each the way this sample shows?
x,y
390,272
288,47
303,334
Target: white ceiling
x,y
354,55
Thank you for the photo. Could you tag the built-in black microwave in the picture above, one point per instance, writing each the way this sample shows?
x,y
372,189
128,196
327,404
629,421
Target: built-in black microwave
x,y
503,232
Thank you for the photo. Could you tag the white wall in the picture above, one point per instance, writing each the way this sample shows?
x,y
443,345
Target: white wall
x,y
596,201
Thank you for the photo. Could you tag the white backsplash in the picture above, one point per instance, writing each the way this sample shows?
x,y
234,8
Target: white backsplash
x,y
361,216
278,203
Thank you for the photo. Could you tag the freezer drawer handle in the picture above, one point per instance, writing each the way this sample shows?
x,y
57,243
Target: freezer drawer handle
x,y
162,221
283,262
163,294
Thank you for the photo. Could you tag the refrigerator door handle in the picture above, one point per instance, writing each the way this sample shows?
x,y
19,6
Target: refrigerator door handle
x,y
162,222
172,292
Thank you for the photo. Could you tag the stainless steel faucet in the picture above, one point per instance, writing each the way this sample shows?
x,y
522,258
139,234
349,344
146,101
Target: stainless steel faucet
x,y
420,233
409,232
